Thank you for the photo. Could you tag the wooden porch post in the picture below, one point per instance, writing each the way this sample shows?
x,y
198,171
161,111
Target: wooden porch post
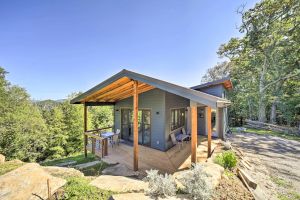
x,y
194,132
135,126
208,121
85,128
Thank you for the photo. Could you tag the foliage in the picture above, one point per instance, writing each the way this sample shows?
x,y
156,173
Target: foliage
x,y
196,183
9,166
40,130
264,64
160,185
219,71
272,133
227,159
79,188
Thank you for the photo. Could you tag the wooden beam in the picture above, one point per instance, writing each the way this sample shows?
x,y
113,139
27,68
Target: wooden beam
x,y
194,133
116,90
109,87
135,126
140,90
208,124
126,92
85,129
99,103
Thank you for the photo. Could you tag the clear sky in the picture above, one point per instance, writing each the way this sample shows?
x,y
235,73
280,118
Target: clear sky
x,y
56,47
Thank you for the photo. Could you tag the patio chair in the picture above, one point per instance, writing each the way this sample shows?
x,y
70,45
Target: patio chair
x,y
115,139
187,136
175,141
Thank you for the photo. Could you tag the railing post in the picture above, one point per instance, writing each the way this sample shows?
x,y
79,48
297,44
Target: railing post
x,y
85,129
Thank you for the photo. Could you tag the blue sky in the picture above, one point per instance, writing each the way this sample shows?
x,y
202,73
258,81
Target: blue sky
x,y
53,48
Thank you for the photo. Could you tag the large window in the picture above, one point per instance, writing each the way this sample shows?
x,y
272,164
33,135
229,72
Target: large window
x,y
177,118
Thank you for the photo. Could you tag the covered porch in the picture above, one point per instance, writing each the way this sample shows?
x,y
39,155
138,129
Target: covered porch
x,y
173,160
128,84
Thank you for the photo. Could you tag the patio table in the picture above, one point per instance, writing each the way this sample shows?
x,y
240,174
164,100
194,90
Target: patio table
x,y
106,135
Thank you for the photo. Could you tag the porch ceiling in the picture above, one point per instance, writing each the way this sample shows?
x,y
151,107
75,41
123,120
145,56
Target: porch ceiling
x,y
116,91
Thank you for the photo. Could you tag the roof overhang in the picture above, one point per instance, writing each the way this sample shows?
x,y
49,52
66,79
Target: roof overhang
x,y
120,86
226,82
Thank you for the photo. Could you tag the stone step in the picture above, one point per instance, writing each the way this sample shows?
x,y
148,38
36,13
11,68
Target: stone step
x,y
86,165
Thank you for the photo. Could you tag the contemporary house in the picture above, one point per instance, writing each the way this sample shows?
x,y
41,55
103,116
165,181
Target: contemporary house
x,y
148,110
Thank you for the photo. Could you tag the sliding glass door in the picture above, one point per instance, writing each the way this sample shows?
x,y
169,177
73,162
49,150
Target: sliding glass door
x,y
144,126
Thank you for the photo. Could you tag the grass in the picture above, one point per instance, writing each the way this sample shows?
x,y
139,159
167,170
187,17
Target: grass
x,y
95,170
9,166
289,196
79,158
280,181
78,188
269,132
228,173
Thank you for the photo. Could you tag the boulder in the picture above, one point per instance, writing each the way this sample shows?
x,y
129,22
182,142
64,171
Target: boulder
x,y
28,182
142,196
119,170
63,172
213,170
2,158
119,184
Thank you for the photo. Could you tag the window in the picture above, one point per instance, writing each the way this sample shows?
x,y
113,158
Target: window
x,y
177,118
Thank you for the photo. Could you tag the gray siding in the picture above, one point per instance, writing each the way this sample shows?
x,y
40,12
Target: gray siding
x,y
153,100
172,101
216,90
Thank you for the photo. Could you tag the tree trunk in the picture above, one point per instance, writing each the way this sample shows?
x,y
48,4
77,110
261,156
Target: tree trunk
x,y
273,112
262,94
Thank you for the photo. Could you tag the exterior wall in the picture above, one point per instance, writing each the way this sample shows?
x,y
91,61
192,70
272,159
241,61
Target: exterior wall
x,y
201,126
155,101
216,90
173,101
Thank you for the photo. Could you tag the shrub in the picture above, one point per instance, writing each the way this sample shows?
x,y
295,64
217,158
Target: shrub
x,y
160,185
79,188
196,183
227,159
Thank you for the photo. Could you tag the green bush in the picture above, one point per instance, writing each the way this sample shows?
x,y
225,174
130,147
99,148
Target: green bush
x,y
227,159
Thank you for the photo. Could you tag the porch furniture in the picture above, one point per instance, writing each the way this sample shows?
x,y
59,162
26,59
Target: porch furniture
x,y
188,136
176,141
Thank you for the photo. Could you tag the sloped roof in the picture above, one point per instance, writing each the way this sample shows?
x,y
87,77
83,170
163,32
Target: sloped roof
x,y
188,93
224,81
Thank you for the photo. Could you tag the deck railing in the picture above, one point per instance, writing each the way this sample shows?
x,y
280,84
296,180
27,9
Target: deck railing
x,y
94,136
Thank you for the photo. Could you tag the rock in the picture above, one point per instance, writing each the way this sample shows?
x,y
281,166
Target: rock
x,y
63,172
119,184
213,170
86,165
66,164
227,145
119,170
142,196
2,158
28,182
109,161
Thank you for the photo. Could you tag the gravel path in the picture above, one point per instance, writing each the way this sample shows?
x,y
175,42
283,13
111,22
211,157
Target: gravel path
x,y
280,156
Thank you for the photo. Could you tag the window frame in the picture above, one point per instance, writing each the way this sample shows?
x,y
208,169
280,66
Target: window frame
x,y
181,121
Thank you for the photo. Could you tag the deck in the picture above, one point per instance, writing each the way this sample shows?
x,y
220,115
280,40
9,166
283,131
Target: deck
x,y
175,159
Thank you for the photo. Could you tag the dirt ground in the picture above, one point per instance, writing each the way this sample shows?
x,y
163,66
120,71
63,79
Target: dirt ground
x,y
277,163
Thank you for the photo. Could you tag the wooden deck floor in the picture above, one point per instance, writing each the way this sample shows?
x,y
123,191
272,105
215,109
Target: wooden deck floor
x,y
173,160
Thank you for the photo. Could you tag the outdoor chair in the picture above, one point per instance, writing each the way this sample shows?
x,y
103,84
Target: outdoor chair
x,y
115,139
175,141
187,136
